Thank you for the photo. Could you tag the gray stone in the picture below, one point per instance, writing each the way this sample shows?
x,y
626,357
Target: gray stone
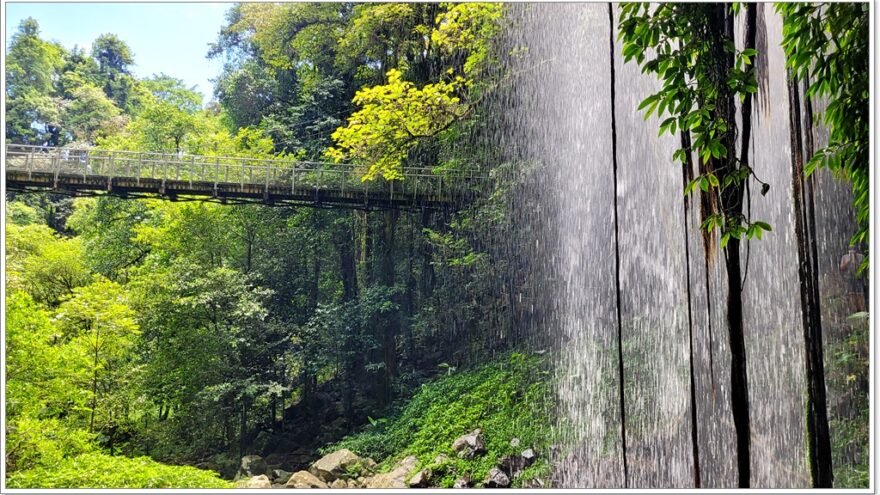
x,y
334,465
339,484
441,459
397,477
250,466
528,457
369,464
261,481
535,483
464,482
304,479
420,479
470,445
514,442
280,476
496,478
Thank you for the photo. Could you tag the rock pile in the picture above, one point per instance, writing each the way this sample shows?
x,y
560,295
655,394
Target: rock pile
x,y
344,469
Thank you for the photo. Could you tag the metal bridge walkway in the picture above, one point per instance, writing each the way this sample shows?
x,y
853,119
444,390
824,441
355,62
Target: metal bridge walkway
x,y
229,179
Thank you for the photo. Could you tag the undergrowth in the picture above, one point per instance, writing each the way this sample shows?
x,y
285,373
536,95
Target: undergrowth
x,y
507,398
95,470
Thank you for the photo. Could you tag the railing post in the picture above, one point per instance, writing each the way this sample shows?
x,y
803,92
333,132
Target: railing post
x,y
266,191
292,179
242,174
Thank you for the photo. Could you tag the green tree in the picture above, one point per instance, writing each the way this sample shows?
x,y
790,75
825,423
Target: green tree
x,y
98,322
90,113
114,57
827,45
43,264
32,114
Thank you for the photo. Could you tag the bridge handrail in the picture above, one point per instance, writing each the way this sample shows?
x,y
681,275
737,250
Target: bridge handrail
x,y
186,159
224,172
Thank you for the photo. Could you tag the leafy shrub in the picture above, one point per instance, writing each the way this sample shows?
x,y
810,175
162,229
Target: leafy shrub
x,y
35,442
94,470
507,398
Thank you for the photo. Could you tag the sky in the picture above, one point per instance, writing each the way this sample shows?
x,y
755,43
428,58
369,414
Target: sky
x,y
164,37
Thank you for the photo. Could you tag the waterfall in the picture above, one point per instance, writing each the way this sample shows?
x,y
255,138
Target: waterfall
x,y
620,277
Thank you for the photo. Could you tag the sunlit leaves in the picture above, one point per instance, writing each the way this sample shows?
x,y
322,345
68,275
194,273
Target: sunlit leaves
x,y
393,118
468,28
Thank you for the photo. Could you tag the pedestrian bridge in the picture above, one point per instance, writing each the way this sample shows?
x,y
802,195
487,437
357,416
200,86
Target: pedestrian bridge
x,y
231,179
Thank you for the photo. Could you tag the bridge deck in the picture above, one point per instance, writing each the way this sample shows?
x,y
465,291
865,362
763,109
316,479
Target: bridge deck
x,y
133,174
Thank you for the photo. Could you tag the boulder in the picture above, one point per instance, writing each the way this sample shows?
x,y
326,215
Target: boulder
x,y
369,464
280,476
334,465
496,478
261,481
250,466
513,464
304,479
398,476
420,479
535,483
514,442
339,484
464,482
441,459
470,445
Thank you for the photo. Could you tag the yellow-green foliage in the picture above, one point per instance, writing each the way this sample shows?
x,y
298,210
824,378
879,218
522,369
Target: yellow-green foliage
x,y
508,398
95,470
392,119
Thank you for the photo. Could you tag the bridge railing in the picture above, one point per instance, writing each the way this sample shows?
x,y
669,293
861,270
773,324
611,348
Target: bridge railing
x,y
225,171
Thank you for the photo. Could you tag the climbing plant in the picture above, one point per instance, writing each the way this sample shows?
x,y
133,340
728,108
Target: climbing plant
x,y
828,45
675,43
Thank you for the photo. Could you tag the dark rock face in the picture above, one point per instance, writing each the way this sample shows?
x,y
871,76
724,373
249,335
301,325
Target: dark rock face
x,y
496,478
470,445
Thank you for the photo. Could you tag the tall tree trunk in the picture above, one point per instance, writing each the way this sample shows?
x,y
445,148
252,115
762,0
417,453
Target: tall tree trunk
x,y
686,176
94,382
348,272
818,436
391,327
732,201
242,427
428,278
620,369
